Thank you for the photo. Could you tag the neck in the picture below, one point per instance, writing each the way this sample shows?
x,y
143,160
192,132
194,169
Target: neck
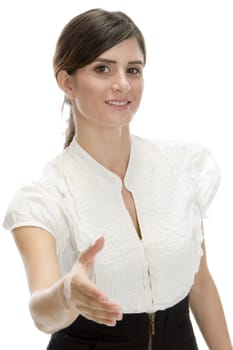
x,y
109,146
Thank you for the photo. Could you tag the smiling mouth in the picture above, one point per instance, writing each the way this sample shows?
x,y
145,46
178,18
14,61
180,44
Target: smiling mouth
x,y
117,103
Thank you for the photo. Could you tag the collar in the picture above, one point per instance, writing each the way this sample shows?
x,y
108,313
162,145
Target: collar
x,y
139,165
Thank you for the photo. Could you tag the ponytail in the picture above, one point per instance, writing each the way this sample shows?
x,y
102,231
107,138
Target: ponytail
x,y
70,130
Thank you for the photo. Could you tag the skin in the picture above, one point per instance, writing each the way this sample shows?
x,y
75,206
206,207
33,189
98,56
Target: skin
x,y
207,308
103,130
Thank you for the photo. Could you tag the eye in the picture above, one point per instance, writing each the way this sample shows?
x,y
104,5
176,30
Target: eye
x,y
134,71
102,69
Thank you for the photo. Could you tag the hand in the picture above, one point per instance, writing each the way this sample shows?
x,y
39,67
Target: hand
x,y
81,293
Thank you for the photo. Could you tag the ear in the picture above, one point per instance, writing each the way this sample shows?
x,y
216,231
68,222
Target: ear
x,y
65,83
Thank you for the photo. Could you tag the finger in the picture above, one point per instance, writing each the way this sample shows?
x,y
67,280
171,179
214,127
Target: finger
x,y
87,292
105,321
101,317
95,304
86,287
92,250
100,314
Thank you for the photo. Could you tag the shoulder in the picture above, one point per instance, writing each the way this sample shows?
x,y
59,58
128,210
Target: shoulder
x,y
189,161
51,180
48,187
183,155
41,202
53,170
173,149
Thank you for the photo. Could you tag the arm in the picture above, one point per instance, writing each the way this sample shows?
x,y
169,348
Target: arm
x,y
56,301
47,304
207,309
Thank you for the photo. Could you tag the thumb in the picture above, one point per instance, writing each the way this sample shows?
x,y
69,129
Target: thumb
x,y
89,254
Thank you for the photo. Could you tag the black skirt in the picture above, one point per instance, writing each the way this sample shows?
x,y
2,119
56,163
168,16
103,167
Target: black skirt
x,y
170,330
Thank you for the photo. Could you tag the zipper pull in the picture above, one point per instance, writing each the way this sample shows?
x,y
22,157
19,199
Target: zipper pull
x,y
152,322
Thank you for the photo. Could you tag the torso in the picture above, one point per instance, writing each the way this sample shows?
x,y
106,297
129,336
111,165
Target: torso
x,y
129,203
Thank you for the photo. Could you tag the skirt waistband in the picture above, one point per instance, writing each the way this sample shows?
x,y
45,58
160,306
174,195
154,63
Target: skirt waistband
x,y
168,329
161,319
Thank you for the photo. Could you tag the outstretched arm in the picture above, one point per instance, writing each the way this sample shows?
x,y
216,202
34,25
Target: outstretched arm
x,y
56,301
207,308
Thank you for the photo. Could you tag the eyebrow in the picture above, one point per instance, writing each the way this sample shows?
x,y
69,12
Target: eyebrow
x,y
106,60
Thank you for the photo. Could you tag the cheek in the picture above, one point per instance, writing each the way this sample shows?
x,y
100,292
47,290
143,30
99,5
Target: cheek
x,y
138,97
88,102
89,92
139,86
84,95
139,92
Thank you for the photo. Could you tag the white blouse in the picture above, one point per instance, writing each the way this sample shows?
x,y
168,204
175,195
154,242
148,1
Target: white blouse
x,y
77,199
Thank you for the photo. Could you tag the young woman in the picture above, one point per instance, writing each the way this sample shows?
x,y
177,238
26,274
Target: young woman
x,y
111,235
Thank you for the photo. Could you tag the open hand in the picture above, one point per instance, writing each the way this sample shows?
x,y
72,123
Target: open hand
x,y
81,293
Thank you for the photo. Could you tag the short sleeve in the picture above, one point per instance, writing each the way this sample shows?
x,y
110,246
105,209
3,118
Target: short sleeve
x,y
205,175
38,205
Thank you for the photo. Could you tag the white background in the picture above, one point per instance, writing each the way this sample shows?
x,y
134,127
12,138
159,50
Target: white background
x,y
188,94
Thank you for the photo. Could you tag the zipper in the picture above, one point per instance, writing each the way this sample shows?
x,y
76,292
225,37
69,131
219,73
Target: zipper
x,y
151,329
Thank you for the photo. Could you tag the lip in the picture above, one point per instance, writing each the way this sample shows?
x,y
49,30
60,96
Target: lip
x,y
119,104
117,100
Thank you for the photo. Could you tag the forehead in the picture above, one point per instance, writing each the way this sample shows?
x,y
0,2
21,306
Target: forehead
x,y
127,50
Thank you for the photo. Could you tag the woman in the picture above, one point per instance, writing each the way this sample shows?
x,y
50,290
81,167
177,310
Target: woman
x,y
111,234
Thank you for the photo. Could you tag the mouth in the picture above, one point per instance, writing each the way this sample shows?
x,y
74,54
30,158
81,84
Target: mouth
x,y
118,103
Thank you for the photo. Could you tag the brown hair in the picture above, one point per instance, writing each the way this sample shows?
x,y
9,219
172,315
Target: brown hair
x,y
87,36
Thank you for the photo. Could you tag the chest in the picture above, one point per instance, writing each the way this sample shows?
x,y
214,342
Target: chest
x,y
131,208
150,210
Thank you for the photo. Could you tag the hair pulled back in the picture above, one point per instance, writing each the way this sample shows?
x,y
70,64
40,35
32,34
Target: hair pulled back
x,y
86,37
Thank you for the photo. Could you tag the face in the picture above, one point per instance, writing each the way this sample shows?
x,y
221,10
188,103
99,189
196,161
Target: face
x,y
108,91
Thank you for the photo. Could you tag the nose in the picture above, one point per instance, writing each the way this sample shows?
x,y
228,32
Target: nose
x,y
121,83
